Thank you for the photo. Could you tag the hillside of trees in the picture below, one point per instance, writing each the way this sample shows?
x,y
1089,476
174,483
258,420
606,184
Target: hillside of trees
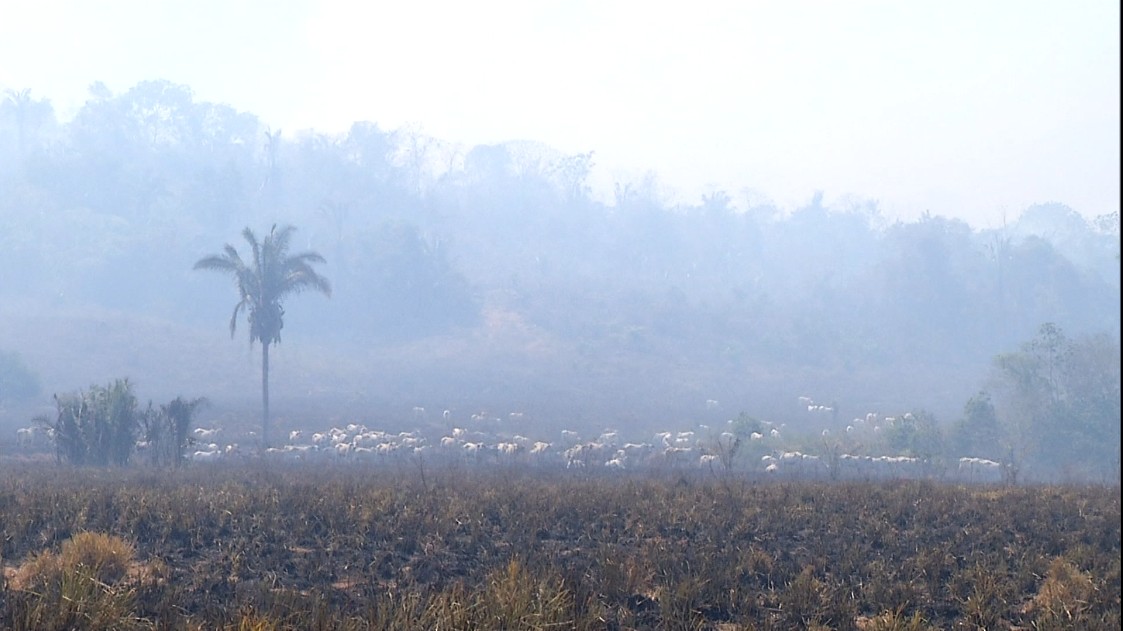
x,y
491,277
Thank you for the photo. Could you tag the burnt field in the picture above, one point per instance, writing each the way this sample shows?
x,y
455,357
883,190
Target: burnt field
x,y
290,546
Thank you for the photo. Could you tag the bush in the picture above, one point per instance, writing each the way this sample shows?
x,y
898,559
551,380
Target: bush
x,y
96,427
100,426
167,430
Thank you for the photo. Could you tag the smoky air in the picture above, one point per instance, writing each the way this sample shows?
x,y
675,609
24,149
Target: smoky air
x,y
480,303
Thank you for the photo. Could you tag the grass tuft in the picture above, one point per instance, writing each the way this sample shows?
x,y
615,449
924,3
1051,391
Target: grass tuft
x,y
81,587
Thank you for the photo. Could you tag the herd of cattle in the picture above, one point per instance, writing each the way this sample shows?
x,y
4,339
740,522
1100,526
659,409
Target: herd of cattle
x,y
479,442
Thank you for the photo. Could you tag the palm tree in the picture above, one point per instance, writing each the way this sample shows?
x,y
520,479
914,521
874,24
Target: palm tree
x,y
271,276
27,113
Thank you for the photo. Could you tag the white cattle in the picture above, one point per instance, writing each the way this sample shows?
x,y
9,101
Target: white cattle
x,y
616,463
676,455
981,469
609,437
205,456
25,436
576,456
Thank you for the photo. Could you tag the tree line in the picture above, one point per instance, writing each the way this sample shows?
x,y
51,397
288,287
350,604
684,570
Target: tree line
x,y
424,236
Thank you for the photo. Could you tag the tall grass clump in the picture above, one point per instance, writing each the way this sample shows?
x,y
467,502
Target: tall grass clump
x,y
1064,599
895,620
83,586
517,599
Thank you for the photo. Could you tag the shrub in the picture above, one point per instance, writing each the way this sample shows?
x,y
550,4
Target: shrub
x,y
167,430
96,427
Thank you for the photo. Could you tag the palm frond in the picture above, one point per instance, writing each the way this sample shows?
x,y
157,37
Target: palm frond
x,y
300,280
298,274
255,247
232,254
308,257
216,263
280,238
234,318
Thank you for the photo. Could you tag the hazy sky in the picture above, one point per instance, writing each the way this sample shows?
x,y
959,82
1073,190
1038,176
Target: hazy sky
x,y
965,108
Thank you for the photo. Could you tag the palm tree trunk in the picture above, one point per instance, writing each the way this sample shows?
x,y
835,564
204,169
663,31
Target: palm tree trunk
x,y
264,396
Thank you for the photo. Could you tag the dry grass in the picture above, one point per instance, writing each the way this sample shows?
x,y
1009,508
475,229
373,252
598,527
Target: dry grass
x,y
301,548
80,587
1065,597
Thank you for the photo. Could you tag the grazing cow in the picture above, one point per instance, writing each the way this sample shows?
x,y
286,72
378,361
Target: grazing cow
x,y
25,436
203,433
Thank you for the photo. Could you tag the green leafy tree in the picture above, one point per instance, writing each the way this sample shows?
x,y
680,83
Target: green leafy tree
x,y
263,283
1031,382
978,433
915,435
1093,404
1061,403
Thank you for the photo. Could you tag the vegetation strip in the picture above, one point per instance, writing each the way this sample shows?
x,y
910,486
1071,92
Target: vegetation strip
x,y
291,547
